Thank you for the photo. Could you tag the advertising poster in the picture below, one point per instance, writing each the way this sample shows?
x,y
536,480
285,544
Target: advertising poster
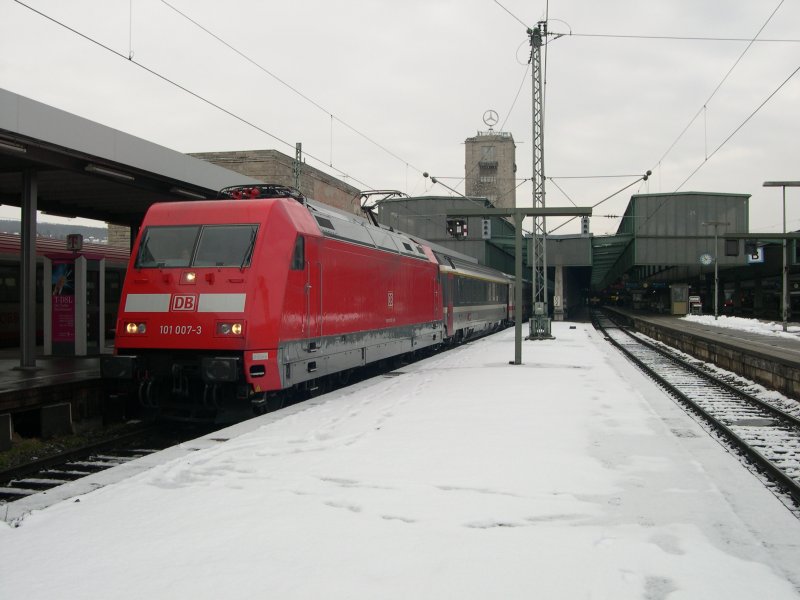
x,y
63,312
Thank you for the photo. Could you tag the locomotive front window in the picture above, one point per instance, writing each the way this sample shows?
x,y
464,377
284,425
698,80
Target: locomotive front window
x,y
197,246
225,246
167,247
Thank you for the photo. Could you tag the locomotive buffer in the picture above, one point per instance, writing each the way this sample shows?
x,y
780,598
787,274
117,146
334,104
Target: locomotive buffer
x,y
518,214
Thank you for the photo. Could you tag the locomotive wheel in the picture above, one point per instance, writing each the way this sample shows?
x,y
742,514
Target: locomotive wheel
x,y
343,377
267,402
317,387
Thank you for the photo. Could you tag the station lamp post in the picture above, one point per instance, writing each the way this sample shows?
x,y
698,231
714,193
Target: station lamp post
x,y
785,288
716,224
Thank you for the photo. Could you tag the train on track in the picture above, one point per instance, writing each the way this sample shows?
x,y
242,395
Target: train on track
x,y
235,301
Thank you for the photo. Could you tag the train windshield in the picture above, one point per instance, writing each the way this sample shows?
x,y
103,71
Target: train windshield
x,y
197,246
225,246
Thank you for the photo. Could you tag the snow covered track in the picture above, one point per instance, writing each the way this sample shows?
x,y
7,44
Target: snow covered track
x,y
69,466
768,436
51,477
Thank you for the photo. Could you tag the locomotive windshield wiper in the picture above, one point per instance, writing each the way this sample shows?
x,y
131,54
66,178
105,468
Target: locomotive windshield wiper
x,y
249,252
144,256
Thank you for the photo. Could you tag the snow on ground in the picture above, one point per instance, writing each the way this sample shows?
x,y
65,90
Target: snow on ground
x,y
569,476
742,324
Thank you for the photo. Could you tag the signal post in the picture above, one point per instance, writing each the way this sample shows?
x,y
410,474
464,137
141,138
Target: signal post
x,y
518,214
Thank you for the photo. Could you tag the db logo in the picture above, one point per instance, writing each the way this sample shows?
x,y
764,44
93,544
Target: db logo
x,y
184,302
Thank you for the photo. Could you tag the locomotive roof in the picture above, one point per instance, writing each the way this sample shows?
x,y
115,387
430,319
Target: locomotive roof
x,y
326,209
335,223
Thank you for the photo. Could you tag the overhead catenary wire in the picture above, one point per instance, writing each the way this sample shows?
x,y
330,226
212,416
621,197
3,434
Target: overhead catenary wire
x,y
725,141
187,90
703,108
596,204
566,195
742,124
516,97
593,176
681,38
510,110
291,87
513,16
245,121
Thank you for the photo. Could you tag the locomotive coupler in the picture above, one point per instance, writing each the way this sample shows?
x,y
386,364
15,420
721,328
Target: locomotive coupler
x,y
180,382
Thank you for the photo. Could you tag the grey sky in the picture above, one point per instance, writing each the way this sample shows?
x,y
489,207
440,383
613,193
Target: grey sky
x,y
416,76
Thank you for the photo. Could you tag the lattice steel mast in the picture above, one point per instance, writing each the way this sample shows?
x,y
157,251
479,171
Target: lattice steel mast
x,y
540,322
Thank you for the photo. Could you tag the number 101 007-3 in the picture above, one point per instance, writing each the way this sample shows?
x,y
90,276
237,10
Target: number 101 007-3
x,y
180,329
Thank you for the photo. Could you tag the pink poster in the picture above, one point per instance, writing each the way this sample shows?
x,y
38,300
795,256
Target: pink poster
x,y
63,311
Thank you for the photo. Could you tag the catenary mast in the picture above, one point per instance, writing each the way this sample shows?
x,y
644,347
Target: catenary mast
x,y
540,322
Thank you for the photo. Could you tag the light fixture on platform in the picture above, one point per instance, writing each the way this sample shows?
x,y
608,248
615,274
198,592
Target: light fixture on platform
x,y
101,170
187,193
9,146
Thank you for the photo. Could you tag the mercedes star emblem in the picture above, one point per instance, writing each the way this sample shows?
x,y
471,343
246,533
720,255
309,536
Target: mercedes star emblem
x,y
491,118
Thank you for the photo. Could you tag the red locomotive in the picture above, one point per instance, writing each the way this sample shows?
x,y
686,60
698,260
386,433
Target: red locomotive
x,y
232,301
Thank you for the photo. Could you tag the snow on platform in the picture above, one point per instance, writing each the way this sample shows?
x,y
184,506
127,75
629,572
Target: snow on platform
x,y
570,476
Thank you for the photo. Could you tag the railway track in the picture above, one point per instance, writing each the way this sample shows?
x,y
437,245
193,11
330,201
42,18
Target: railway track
x,y
48,473
765,434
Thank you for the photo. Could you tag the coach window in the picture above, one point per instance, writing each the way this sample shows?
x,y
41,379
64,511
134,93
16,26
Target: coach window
x,y
299,255
113,286
9,288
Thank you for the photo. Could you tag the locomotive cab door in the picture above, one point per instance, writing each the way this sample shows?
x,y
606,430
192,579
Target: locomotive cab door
x,y
312,326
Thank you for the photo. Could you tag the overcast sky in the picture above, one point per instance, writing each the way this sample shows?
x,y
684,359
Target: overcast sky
x,y
384,90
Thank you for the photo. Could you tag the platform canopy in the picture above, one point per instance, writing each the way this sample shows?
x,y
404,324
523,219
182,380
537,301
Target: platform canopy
x,y
56,162
84,169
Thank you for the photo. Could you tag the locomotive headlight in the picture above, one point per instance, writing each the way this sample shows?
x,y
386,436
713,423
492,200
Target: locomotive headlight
x,y
228,328
134,328
188,277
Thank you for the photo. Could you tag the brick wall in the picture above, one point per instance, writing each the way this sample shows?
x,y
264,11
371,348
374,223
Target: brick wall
x,y
119,236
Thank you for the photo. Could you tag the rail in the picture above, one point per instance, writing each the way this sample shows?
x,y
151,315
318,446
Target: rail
x,y
768,436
